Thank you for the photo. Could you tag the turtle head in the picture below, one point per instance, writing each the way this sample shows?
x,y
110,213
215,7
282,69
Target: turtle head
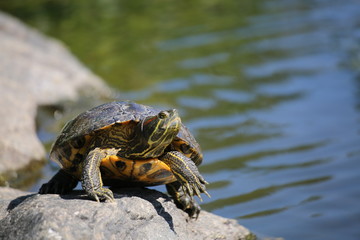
x,y
155,133
161,126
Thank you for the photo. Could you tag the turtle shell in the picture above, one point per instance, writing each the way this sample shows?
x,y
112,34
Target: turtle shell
x,y
71,146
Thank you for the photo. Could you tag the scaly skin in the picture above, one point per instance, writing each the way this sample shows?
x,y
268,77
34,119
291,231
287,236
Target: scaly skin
x,y
183,200
91,177
190,182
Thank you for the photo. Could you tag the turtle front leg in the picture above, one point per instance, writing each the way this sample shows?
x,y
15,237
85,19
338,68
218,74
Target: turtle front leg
x,y
91,177
190,182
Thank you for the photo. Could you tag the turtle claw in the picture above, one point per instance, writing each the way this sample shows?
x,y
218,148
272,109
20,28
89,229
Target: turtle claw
x,y
193,210
183,199
207,194
103,194
195,187
187,203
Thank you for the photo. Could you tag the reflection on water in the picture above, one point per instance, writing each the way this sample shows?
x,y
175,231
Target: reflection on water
x,y
270,89
259,193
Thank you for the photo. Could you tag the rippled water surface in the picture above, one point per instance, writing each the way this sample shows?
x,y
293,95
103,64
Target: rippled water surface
x,y
269,88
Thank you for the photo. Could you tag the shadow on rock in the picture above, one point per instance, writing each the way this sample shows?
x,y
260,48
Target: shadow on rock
x,y
17,201
152,196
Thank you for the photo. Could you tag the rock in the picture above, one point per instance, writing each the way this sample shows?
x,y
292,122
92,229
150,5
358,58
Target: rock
x,y
6,196
34,71
135,214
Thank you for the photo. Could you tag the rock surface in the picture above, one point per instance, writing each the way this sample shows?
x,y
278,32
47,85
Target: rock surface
x,y
34,71
136,214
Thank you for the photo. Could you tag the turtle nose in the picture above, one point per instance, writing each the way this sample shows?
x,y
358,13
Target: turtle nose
x,y
173,112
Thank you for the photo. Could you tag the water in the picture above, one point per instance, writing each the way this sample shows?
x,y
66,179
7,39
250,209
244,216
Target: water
x,y
269,88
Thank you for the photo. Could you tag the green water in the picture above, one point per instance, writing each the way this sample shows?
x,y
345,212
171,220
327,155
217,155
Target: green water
x,y
269,88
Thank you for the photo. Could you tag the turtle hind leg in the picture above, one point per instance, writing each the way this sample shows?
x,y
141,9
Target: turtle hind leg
x,y
183,200
61,183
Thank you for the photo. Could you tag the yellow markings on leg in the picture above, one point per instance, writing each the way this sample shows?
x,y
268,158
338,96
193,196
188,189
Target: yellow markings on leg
x,y
91,167
184,165
94,154
186,188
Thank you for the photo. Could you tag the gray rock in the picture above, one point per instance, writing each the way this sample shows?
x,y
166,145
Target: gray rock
x,y
34,71
136,214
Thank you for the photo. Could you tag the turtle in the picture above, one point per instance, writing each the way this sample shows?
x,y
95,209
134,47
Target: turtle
x,y
126,144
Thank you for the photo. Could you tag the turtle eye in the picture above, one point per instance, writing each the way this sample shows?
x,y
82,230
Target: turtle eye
x,y
163,114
